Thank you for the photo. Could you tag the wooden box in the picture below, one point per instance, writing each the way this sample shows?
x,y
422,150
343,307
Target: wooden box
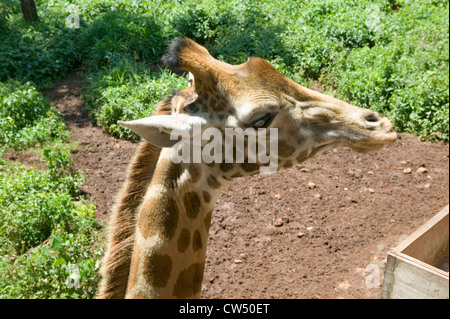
x,y
418,267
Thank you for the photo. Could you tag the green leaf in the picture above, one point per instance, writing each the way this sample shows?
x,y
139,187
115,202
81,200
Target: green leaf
x,y
55,242
59,262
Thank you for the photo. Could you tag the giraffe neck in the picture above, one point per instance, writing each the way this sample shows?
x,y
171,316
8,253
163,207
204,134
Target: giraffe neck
x,y
116,263
172,227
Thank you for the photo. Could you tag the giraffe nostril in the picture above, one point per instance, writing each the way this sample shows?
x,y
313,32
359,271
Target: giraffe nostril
x,y
373,117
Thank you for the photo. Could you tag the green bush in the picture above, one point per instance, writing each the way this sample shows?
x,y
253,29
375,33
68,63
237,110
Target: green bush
x,y
118,35
405,78
386,55
128,92
47,237
390,56
231,30
34,202
26,117
65,267
5,12
41,51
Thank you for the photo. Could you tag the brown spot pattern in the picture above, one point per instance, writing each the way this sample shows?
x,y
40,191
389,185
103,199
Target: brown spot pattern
x,y
158,216
195,172
207,196
184,239
287,164
189,281
226,167
192,204
237,175
302,156
157,270
250,167
213,182
197,241
284,149
169,175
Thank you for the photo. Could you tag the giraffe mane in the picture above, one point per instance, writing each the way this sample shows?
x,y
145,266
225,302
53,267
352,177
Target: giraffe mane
x,y
116,263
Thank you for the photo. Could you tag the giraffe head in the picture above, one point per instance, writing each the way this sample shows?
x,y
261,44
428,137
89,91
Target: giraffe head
x,y
254,95
159,245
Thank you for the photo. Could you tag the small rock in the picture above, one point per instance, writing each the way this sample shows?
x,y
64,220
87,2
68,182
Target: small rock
x,y
237,261
421,170
370,173
318,196
300,234
278,222
309,228
426,186
350,172
371,190
407,170
277,196
311,185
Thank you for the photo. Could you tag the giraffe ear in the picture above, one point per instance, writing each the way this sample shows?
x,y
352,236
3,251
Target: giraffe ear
x,y
158,129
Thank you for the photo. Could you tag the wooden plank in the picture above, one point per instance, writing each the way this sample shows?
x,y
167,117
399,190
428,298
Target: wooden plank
x,y
389,277
411,267
405,279
430,242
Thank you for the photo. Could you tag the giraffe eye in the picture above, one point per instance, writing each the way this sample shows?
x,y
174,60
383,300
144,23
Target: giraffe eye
x,y
264,121
192,108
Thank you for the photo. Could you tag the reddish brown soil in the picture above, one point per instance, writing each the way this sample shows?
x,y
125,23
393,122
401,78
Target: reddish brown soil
x,y
280,236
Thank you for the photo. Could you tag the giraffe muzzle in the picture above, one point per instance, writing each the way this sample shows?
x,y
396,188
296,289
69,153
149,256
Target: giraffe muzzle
x,y
379,132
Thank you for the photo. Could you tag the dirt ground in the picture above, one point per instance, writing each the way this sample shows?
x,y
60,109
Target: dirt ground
x,y
322,229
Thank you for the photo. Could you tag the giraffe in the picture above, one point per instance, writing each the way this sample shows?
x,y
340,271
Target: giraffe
x,y
160,222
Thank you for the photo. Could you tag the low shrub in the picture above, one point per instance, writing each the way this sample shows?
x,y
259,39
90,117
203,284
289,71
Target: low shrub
x,y
121,35
127,92
48,235
40,52
26,117
405,78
